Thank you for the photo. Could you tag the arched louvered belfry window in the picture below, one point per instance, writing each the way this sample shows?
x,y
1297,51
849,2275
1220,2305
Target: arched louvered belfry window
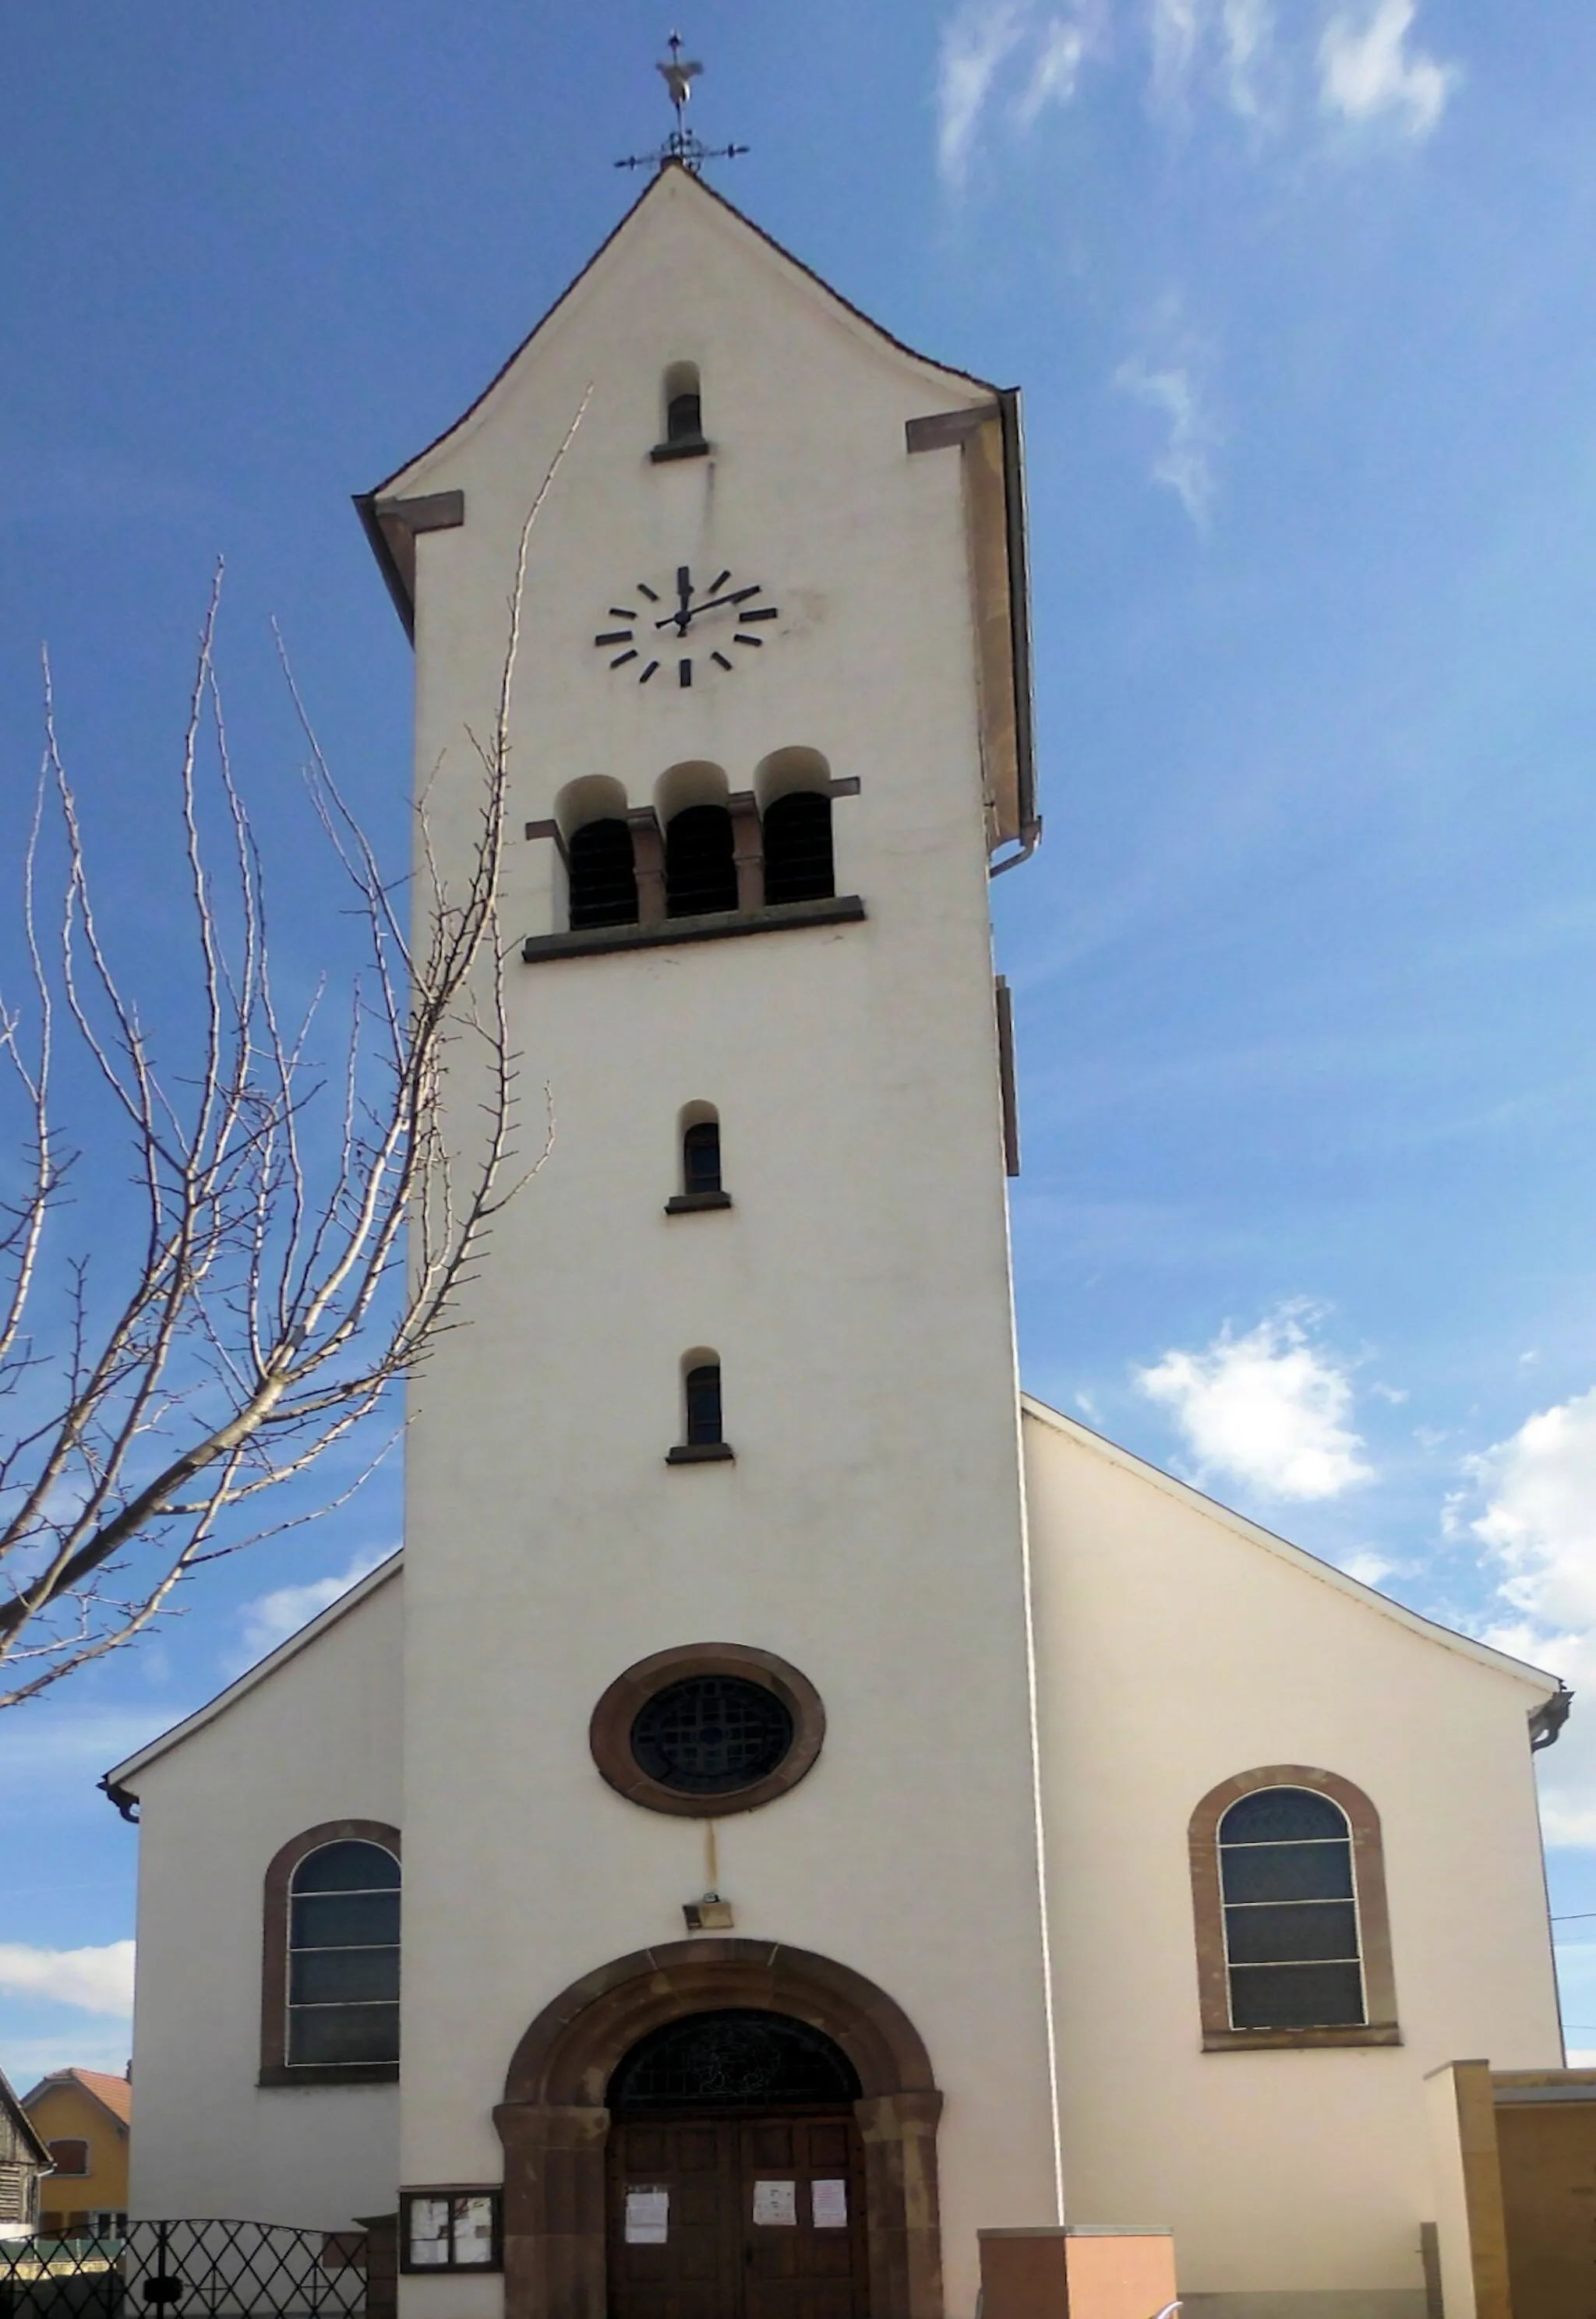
x,y
342,1957
701,866
798,849
603,875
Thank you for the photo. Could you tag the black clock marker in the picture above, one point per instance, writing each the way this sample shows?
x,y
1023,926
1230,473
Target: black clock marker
x,y
765,612
719,581
684,674
621,659
741,595
644,591
643,674
757,642
720,660
620,612
614,637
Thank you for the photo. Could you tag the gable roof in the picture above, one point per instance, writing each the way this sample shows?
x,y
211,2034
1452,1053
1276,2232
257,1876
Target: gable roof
x,y
390,522
112,2094
115,1781
11,2104
1549,1687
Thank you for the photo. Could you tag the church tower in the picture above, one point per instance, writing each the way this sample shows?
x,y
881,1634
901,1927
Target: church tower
x,y
718,1755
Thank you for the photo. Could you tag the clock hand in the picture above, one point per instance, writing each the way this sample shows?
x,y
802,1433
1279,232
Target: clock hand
x,y
677,620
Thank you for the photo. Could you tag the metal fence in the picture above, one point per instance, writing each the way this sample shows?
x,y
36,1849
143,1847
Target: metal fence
x,y
187,2271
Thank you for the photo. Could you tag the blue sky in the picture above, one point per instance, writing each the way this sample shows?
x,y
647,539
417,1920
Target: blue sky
x,y
1299,294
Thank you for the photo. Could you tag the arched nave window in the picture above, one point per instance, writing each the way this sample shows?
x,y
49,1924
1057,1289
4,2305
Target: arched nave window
x,y
1288,1891
329,1994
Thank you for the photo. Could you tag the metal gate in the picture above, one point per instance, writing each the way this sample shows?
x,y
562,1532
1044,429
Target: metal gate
x,y
187,2271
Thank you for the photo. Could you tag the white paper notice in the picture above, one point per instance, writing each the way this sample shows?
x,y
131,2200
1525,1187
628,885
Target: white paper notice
x,y
648,2217
775,2202
830,2203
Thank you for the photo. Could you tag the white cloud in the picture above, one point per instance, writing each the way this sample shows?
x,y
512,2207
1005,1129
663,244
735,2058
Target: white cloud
x,y
1268,1409
1247,30
94,1981
974,45
1174,30
1184,465
1367,1566
271,1618
1054,71
1539,1525
1367,70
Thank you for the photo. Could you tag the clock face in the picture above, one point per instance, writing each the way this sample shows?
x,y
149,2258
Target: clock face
x,y
671,632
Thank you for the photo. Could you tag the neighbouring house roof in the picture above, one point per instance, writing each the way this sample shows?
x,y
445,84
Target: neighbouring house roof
x,y
1550,1687
12,2107
112,2094
116,1780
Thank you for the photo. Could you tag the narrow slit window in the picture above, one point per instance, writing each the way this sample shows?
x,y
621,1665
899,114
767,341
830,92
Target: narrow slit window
x,y
1294,1955
700,1157
681,403
702,1393
700,863
603,875
798,848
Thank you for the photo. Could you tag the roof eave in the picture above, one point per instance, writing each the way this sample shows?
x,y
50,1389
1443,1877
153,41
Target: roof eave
x,y
116,1782
1312,1565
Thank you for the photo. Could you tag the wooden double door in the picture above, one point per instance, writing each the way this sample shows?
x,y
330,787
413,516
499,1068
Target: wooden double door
x,y
737,2218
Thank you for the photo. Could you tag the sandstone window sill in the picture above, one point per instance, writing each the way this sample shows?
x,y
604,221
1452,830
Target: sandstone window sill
x,y
776,917
1300,2040
330,2073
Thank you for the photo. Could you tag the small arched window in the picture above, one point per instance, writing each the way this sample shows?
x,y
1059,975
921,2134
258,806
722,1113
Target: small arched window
x,y
700,863
1288,1886
798,849
603,875
700,1158
701,1396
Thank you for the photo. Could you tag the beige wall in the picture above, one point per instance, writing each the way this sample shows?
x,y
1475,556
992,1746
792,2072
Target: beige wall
x,y
1177,1649
69,2112
319,1740
857,1293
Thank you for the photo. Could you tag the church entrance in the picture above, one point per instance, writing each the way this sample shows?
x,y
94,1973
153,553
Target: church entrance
x,y
735,2181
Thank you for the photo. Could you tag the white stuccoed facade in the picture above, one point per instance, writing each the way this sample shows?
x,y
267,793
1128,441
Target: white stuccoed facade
x,y
871,1527
869,1531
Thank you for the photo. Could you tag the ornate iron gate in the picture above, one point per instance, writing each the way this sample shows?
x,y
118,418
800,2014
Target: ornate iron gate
x,y
187,2271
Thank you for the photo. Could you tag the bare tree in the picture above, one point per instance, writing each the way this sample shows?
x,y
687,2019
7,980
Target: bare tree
x,y
283,1279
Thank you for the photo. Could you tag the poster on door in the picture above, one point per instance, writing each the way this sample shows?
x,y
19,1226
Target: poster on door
x,y
828,2203
775,2204
648,2217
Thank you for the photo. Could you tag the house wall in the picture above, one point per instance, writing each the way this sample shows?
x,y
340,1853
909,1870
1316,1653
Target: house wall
x,y
69,2112
1175,1650
319,1740
857,1292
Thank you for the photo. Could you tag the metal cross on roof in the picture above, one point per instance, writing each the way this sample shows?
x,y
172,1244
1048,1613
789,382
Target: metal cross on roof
x,y
679,74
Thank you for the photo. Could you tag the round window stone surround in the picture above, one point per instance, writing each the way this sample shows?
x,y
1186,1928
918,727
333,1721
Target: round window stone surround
x,y
635,1730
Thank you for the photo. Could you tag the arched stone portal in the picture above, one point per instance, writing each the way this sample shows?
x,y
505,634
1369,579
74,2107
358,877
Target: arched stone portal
x,y
554,2125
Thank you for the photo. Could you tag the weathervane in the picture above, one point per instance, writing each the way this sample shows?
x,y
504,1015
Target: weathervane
x,y
682,144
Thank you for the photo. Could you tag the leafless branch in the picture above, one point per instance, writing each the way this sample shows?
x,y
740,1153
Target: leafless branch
x,y
288,1270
